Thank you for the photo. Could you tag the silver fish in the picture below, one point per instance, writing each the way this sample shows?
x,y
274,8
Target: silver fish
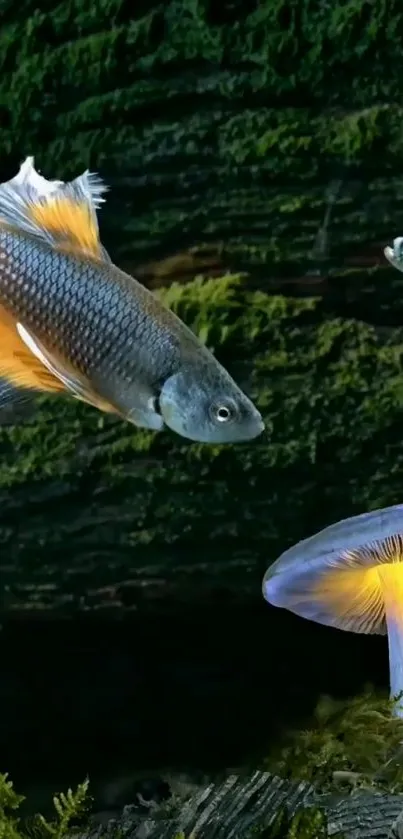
x,y
72,321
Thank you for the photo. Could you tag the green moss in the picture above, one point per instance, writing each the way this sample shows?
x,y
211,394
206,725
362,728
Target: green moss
x,y
98,503
188,112
350,743
68,808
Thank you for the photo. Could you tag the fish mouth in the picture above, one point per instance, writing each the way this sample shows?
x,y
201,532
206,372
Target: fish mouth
x,y
255,430
260,427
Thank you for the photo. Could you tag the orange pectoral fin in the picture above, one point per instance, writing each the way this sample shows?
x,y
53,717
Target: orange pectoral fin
x,y
17,364
22,369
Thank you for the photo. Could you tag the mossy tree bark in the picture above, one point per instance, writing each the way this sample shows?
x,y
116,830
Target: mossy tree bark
x,y
273,807
232,125
269,138
93,510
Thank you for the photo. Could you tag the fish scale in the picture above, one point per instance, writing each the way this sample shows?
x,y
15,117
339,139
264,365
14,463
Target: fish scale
x,y
72,305
71,321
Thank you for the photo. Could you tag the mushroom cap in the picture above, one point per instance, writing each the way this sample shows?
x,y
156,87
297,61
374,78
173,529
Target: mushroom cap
x,y
333,577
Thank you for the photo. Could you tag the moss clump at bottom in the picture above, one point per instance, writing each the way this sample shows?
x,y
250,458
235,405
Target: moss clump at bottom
x,y
350,743
68,806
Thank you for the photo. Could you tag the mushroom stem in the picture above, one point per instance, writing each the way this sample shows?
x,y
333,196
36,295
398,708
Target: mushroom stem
x,y
391,580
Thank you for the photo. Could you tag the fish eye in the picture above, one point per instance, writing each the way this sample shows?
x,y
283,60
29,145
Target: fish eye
x,y
223,412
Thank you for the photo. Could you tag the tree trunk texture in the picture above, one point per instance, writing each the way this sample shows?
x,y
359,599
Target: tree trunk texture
x,y
266,804
262,138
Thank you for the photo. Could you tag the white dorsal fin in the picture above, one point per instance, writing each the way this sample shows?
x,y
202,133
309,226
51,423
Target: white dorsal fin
x,y
61,214
28,176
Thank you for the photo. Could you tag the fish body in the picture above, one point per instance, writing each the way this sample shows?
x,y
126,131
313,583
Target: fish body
x,y
71,320
394,253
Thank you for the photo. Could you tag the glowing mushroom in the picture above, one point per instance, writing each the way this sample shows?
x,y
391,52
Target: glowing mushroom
x,y
350,575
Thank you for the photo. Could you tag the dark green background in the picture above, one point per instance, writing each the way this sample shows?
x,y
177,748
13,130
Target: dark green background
x,y
267,137
259,144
